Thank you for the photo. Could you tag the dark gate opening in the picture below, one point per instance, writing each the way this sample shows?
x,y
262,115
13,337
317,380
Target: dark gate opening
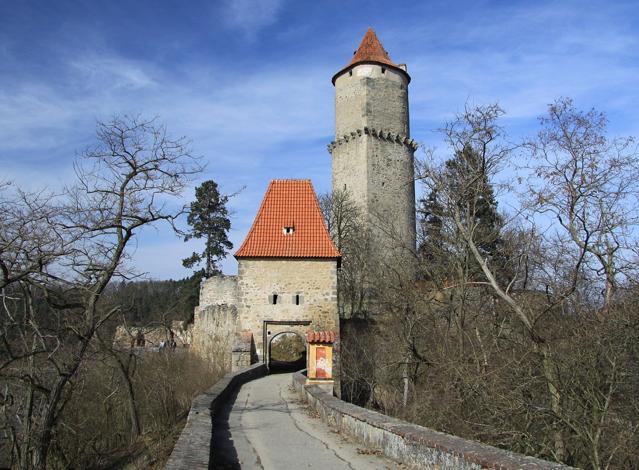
x,y
287,352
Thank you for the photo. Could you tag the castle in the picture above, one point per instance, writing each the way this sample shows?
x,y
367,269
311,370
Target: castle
x,y
287,265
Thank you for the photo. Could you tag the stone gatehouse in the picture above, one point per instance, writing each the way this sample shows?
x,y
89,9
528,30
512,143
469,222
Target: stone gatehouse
x,y
286,281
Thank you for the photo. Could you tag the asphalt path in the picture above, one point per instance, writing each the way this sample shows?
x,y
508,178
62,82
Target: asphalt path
x,y
267,427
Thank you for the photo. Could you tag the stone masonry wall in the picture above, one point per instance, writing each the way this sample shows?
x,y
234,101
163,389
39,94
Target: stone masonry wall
x,y
214,331
412,445
372,156
370,98
314,280
218,290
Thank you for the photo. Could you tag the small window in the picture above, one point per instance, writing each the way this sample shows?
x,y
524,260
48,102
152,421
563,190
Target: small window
x,y
272,299
288,230
297,299
350,73
344,186
383,69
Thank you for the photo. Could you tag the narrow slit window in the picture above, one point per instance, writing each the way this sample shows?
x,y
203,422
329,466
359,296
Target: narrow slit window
x,y
297,299
273,299
383,69
350,73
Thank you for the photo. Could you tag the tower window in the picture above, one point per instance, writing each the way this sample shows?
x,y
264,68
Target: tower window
x,y
344,186
272,299
350,73
383,69
297,299
288,230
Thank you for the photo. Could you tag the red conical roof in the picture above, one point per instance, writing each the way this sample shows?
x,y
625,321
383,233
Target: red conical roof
x,y
289,224
370,50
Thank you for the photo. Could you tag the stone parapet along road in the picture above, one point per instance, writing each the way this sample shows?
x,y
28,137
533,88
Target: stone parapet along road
x,y
265,426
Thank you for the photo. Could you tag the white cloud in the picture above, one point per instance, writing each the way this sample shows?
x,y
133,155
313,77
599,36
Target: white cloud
x,y
114,72
249,16
254,125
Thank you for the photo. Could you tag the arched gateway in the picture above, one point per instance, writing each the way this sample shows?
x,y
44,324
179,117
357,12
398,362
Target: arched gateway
x,y
286,282
286,351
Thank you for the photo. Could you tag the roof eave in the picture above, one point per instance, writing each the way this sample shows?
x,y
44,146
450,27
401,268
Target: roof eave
x,y
238,257
377,62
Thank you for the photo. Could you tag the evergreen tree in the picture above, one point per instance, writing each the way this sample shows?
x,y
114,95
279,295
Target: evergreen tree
x,y
475,198
209,219
430,212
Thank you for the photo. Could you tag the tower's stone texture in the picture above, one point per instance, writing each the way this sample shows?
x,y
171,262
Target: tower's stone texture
x,y
373,152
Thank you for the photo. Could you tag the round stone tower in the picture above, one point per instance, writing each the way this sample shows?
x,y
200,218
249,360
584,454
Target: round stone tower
x,y
373,152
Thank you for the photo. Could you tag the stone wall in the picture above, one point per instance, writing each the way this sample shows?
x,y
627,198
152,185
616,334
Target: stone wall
x,y
412,445
218,290
214,331
193,448
124,335
372,157
315,280
370,98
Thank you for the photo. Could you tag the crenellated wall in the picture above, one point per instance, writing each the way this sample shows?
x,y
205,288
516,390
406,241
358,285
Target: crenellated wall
x,y
372,158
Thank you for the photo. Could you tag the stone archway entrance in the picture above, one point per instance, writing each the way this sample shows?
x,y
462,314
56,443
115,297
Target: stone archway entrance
x,y
278,333
287,351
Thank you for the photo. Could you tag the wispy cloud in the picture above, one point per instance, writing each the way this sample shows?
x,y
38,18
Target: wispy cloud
x,y
250,16
270,114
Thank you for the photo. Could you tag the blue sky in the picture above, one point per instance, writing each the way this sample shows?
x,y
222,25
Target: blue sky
x,y
248,81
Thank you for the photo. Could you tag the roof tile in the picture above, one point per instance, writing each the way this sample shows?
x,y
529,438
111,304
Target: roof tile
x,y
321,336
371,50
293,204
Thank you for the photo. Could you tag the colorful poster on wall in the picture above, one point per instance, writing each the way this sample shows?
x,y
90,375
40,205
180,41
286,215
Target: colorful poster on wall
x,y
321,363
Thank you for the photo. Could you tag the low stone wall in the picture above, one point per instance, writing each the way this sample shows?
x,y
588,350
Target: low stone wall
x,y
193,448
412,445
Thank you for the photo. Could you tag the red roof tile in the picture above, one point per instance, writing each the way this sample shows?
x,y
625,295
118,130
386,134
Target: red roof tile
x,y
288,203
321,336
370,50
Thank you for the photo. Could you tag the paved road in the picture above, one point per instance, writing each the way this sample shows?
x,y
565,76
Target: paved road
x,y
267,427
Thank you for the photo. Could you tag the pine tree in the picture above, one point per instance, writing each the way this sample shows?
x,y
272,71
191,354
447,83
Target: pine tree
x,y
209,219
475,198
430,212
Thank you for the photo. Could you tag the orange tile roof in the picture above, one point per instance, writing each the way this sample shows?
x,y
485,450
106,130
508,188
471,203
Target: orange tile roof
x,y
288,203
370,50
321,336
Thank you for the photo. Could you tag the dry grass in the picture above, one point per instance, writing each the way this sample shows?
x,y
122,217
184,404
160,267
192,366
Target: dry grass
x,y
96,432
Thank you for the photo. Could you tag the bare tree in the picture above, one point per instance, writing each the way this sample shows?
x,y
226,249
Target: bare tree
x,y
58,263
344,222
589,184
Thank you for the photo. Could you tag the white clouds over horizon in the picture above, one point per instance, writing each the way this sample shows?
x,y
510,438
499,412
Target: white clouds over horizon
x,y
260,106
